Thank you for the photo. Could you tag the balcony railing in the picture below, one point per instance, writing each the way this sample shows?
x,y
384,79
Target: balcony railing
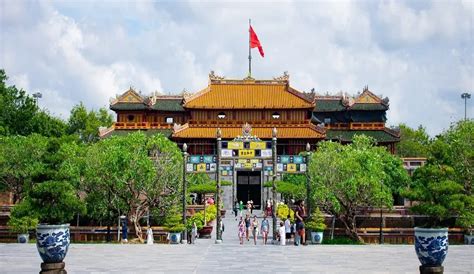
x,y
141,125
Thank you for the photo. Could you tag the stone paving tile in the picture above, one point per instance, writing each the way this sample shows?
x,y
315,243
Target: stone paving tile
x,y
231,257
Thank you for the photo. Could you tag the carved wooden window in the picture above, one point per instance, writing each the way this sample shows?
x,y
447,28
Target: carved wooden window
x,y
131,118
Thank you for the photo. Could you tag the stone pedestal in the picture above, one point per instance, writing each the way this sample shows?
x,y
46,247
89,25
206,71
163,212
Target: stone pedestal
x,y
53,268
431,269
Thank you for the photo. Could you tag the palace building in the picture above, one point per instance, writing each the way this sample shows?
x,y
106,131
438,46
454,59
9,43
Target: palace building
x,y
254,108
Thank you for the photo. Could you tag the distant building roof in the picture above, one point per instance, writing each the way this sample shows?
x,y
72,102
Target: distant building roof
x,y
364,101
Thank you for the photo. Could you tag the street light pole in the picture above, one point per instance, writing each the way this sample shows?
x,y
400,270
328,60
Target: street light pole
x,y
381,240
308,187
465,96
37,95
185,160
274,175
218,187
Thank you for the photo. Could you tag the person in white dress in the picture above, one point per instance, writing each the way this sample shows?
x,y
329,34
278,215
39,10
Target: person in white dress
x,y
149,236
282,233
194,233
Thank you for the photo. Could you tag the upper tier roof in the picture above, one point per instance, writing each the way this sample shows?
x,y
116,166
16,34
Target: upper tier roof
x,y
247,94
131,100
364,101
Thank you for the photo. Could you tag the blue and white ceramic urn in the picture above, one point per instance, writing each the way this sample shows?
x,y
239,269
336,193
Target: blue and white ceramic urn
x,y
175,237
52,242
316,237
431,245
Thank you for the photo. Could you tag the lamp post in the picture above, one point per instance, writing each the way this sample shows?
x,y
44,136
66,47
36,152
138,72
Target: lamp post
x,y
185,160
274,175
308,187
218,187
37,95
465,96
381,240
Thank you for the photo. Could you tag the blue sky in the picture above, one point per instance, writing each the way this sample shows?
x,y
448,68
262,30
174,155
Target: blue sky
x,y
418,53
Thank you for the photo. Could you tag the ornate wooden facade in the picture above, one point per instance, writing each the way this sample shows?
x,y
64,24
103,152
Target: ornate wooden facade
x,y
299,117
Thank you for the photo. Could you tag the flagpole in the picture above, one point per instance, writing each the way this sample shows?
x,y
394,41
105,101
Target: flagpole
x,y
250,54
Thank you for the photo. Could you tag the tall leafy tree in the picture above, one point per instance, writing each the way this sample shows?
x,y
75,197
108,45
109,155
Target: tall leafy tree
x,y
130,174
21,163
86,123
21,116
346,177
413,142
47,125
444,187
17,109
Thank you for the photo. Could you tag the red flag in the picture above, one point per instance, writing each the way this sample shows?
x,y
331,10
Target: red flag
x,y
254,42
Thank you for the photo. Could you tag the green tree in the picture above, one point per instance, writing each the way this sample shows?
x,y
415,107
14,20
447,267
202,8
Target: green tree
x,y
413,142
86,124
437,194
51,202
47,125
443,187
21,163
17,109
346,177
130,174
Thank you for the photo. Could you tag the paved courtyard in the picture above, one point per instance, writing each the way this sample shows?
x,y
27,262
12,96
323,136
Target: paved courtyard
x,y
231,257
205,257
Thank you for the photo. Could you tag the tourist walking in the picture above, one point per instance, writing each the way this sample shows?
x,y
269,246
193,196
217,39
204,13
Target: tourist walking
x,y
236,209
265,227
282,233
247,226
194,233
251,207
255,229
242,230
300,216
288,228
149,236
241,208
268,208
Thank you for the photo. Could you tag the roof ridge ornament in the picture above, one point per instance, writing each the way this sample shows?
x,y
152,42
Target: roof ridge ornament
x,y
249,78
177,127
214,77
246,134
284,77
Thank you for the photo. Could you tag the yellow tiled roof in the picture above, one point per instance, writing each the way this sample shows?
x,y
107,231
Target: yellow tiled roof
x,y
283,132
248,96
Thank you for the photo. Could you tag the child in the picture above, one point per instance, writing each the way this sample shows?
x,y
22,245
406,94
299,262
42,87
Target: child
x,y
282,233
288,228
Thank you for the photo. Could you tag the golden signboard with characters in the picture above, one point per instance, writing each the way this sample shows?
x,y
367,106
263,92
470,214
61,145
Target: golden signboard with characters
x,y
246,153
291,167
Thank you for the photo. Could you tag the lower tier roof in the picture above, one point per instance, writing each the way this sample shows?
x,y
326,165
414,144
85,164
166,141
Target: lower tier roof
x,y
381,136
306,131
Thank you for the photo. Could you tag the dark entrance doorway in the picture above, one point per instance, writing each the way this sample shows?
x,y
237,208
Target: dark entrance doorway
x,y
249,187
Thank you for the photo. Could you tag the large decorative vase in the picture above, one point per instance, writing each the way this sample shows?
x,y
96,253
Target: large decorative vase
x,y
52,242
175,237
469,239
205,232
23,238
431,245
316,237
